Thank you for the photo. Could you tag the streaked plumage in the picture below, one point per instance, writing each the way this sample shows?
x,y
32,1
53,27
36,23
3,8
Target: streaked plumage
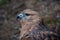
x,y
33,27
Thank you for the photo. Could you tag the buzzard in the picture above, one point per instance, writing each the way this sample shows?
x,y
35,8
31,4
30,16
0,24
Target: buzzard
x,y
33,27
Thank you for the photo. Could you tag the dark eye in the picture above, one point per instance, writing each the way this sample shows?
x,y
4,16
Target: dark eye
x,y
27,14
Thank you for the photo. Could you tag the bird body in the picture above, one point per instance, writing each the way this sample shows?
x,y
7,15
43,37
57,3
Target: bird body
x,y
33,27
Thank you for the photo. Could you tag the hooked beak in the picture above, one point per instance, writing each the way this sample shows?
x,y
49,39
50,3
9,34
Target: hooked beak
x,y
20,16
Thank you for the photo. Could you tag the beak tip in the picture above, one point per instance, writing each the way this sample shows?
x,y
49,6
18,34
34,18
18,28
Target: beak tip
x,y
17,17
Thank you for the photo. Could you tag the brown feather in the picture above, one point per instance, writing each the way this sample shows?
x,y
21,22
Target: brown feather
x,y
33,29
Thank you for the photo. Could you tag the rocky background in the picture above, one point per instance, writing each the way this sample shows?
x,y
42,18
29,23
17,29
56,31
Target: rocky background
x,y
9,26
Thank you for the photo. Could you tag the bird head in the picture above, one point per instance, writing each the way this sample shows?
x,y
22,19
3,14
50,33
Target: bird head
x,y
23,16
29,17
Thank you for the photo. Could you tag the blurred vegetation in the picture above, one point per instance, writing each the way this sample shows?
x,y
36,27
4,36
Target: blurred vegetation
x,y
2,2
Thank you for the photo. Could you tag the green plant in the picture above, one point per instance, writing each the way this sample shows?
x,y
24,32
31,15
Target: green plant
x,y
3,2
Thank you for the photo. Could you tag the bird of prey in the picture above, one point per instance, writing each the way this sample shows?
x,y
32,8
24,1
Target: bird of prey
x,y
33,27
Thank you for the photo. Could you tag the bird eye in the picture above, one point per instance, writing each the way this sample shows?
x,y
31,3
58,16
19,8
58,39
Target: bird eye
x,y
27,14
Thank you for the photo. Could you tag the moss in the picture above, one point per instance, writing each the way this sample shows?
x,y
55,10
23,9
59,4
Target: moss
x,y
3,2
